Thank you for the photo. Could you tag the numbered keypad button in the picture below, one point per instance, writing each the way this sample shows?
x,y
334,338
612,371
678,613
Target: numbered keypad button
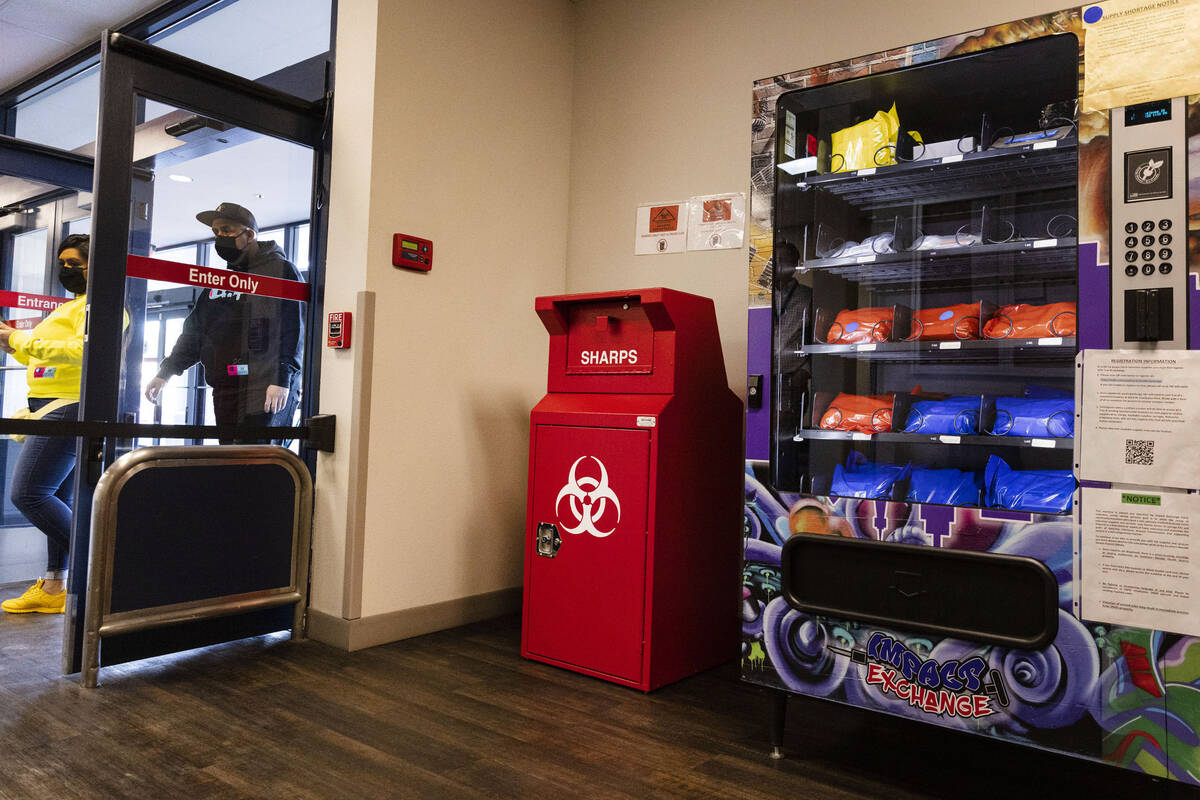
x,y
1131,227
1148,225
1164,239
1163,224
1147,255
1131,270
1131,256
1147,241
1147,269
1165,268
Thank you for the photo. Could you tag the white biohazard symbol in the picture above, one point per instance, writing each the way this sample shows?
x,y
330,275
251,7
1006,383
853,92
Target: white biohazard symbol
x,y
1148,172
589,498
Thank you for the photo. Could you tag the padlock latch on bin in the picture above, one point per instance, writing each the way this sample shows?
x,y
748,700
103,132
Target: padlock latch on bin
x,y
548,540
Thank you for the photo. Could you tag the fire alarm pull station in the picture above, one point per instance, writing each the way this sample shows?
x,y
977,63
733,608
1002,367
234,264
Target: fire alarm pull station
x,y
411,252
339,330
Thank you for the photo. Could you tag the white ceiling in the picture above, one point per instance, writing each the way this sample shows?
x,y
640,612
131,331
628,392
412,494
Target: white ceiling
x,y
35,34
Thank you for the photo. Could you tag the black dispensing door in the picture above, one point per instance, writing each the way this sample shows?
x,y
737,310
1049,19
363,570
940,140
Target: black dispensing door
x,y
186,152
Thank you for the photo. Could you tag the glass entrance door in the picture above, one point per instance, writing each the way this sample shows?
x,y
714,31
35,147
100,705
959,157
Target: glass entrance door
x,y
40,205
204,184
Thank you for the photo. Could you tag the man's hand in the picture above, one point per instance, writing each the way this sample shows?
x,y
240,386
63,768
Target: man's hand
x,y
6,331
276,398
154,389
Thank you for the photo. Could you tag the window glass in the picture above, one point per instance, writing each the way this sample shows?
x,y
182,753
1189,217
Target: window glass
x,y
63,116
29,261
252,38
301,254
276,235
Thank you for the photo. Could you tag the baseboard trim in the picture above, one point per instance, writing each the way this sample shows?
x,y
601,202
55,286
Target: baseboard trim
x,y
364,632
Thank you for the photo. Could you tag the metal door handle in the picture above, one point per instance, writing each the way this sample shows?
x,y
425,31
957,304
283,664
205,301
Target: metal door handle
x,y
548,540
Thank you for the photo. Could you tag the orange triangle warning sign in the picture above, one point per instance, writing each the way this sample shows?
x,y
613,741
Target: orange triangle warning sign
x,y
664,219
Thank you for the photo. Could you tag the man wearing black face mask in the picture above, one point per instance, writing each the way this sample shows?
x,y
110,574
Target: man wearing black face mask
x,y
249,345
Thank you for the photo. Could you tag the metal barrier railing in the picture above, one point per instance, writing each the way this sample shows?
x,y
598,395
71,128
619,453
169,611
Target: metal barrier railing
x,y
183,535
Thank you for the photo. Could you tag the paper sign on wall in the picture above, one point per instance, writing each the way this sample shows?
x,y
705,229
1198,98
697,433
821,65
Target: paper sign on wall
x,y
1139,51
717,222
661,228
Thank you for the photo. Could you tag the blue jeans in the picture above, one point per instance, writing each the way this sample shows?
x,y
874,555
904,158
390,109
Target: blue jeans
x,y
42,487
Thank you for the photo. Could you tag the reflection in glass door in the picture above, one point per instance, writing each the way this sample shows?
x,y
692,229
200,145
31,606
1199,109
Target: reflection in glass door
x,y
34,219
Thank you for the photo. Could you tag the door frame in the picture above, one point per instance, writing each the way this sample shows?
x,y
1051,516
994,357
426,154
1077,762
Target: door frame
x,y
131,69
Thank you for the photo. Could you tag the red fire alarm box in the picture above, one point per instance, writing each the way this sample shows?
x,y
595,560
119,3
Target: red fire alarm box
x,y
339,330
634,515
412,252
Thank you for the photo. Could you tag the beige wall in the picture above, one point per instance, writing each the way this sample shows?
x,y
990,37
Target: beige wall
x,y
663,111
455,128
479,124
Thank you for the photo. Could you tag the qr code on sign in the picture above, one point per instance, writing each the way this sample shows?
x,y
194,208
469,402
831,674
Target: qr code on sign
x,y
1140,452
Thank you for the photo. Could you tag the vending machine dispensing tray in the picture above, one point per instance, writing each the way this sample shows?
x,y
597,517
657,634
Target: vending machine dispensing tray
x,y
988,598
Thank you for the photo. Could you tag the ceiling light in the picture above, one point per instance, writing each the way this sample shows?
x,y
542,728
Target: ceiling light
x,y
180,178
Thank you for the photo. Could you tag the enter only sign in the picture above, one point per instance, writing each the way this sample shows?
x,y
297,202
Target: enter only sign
x,y
209,278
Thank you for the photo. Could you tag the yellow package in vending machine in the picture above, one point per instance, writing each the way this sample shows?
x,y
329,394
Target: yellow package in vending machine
x,y
870,143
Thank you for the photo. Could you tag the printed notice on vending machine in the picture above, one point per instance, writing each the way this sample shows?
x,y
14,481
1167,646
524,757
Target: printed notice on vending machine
x,y
1141,418
1117,34
1141,559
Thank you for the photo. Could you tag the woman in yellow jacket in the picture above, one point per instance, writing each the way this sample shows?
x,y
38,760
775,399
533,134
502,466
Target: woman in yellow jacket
x,y
42,484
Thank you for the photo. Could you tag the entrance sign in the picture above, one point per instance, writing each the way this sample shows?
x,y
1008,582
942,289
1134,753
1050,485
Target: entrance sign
x,y
36,302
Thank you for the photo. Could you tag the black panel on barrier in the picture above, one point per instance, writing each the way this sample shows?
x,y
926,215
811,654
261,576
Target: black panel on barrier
x,y
123,647
984,597
169,551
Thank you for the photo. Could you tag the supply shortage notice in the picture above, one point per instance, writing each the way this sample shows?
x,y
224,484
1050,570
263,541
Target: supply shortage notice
x,y
1141,418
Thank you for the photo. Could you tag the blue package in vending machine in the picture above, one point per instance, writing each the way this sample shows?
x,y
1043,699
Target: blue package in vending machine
x,y
1046,491
1038,417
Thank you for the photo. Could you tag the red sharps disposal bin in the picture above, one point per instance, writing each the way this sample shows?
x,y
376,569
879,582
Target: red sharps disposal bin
x,y
634,518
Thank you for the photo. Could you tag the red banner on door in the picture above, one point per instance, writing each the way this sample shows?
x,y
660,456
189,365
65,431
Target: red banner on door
x,y
224,279
37,302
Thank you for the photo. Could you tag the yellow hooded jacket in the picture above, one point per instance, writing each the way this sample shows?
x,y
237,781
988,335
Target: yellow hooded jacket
x,y
53,351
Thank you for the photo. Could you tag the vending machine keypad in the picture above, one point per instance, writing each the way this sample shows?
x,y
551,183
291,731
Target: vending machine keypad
x,y
1149,198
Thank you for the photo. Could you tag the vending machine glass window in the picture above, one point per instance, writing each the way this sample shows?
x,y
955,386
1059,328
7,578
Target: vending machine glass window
x,y
924,301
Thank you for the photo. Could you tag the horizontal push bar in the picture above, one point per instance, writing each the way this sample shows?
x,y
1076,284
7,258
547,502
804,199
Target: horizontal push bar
x,y
316,432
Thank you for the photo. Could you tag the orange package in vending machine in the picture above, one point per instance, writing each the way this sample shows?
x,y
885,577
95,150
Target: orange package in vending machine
x,y
946,323
1024,321
856,412
861,326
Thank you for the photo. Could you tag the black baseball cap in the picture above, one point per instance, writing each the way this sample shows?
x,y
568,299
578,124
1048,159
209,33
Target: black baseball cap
x,y
229,211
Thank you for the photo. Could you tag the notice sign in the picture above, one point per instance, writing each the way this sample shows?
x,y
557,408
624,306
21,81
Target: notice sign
x,y
1139,50
661,228
717,222
1141,559
1141,418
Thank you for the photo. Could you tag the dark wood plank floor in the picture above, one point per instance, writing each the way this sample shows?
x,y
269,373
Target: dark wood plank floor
x,y
459,714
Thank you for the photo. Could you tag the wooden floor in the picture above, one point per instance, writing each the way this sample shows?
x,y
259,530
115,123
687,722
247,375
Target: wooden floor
x,y
459,714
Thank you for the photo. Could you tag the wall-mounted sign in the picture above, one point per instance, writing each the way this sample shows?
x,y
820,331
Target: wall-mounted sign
x,y
661,228
717,222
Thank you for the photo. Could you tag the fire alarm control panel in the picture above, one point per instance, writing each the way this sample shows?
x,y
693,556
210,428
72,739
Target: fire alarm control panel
x,y
412,252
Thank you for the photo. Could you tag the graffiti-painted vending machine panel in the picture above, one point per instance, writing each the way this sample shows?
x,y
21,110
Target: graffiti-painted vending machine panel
x,y
930,254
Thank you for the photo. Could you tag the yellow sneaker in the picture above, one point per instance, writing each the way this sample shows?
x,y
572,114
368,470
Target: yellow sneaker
x,y
36,601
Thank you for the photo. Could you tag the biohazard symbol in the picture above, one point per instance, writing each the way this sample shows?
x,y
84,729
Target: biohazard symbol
x,y
589,498
1148,173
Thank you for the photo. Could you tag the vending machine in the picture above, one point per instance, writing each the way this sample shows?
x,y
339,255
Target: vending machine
x,y
971,461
